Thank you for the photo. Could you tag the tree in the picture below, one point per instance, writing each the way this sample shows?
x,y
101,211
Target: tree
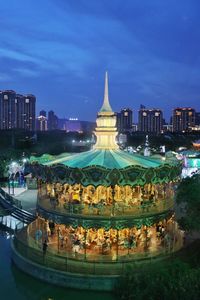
x,y
188,200
160,280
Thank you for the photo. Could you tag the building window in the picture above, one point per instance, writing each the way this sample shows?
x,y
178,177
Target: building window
x,y
27,100
5,97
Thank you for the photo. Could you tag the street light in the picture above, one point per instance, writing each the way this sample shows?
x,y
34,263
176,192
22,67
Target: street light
x,y
13,168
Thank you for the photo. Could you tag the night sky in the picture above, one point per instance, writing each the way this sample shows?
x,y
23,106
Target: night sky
x,y
59,51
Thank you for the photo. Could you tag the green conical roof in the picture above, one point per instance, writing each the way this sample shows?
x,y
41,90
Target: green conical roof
x,y
111,159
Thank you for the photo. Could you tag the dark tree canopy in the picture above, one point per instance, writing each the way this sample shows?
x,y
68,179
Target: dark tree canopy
x,y
188,200
175,280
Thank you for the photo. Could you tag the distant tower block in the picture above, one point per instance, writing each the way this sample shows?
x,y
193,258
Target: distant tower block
x,y
106,130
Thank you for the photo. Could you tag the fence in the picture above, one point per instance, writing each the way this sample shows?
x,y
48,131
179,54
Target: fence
x,y
77,263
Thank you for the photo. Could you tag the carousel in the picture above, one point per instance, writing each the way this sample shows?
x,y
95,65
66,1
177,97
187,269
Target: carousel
x,y
102,210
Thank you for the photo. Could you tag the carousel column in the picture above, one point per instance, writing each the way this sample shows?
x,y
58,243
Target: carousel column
x,y
58,237
129,245
146,236
113,200
118,192
97,194
117,249
81,198
85,239
126,194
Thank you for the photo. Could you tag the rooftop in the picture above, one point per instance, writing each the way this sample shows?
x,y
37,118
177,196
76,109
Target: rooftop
x,y
110,159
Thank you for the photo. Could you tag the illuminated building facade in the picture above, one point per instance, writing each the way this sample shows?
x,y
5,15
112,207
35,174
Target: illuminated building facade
x,y
41,123
183,119
52,121
124,120
150,120
17,111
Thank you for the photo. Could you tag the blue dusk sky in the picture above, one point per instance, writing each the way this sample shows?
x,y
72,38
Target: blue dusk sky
x,y
59,51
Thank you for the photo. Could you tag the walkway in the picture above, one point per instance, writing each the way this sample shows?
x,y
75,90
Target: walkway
x,y
28,198
21,207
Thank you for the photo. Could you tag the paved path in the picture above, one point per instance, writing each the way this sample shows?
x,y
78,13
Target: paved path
x,y
28,200
17,191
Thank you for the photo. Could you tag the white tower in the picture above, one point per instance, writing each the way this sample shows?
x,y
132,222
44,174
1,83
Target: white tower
x,y
106,130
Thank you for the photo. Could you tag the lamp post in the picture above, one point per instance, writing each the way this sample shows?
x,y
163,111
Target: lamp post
x,y
21,171
113,199
12,170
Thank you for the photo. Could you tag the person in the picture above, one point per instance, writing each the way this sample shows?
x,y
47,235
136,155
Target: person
x,y
44,248
52,227
38,234
131,241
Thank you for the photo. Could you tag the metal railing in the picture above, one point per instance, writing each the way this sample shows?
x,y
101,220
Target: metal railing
x,y
78,263
9,199
14,207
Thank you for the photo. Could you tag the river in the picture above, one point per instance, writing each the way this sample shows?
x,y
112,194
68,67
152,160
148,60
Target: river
x,y
17,285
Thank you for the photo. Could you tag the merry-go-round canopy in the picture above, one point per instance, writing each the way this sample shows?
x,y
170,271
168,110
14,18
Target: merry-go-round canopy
x,y
105,164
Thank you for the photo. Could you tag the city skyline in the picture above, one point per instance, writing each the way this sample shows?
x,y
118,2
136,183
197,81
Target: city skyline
x,y
10,110
60,50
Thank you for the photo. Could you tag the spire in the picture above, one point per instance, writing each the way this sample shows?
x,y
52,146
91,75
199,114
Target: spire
x,y
106,105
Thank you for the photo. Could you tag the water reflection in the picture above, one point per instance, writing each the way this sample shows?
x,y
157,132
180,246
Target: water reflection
x,y
20,286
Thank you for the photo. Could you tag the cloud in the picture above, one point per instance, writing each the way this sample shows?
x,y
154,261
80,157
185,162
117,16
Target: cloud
x,y
61,49
4,77
26,72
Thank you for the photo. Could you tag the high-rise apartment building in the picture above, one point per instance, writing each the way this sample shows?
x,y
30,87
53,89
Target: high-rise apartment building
x,y
150,120
29,112
41,123
43,113
17,111
124,120
183,119
197,118
52,120
7,109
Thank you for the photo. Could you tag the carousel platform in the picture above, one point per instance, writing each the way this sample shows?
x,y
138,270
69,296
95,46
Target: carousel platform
x,y
57,268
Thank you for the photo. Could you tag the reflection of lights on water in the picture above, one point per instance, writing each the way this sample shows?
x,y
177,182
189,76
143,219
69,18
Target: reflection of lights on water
x,y
8,235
